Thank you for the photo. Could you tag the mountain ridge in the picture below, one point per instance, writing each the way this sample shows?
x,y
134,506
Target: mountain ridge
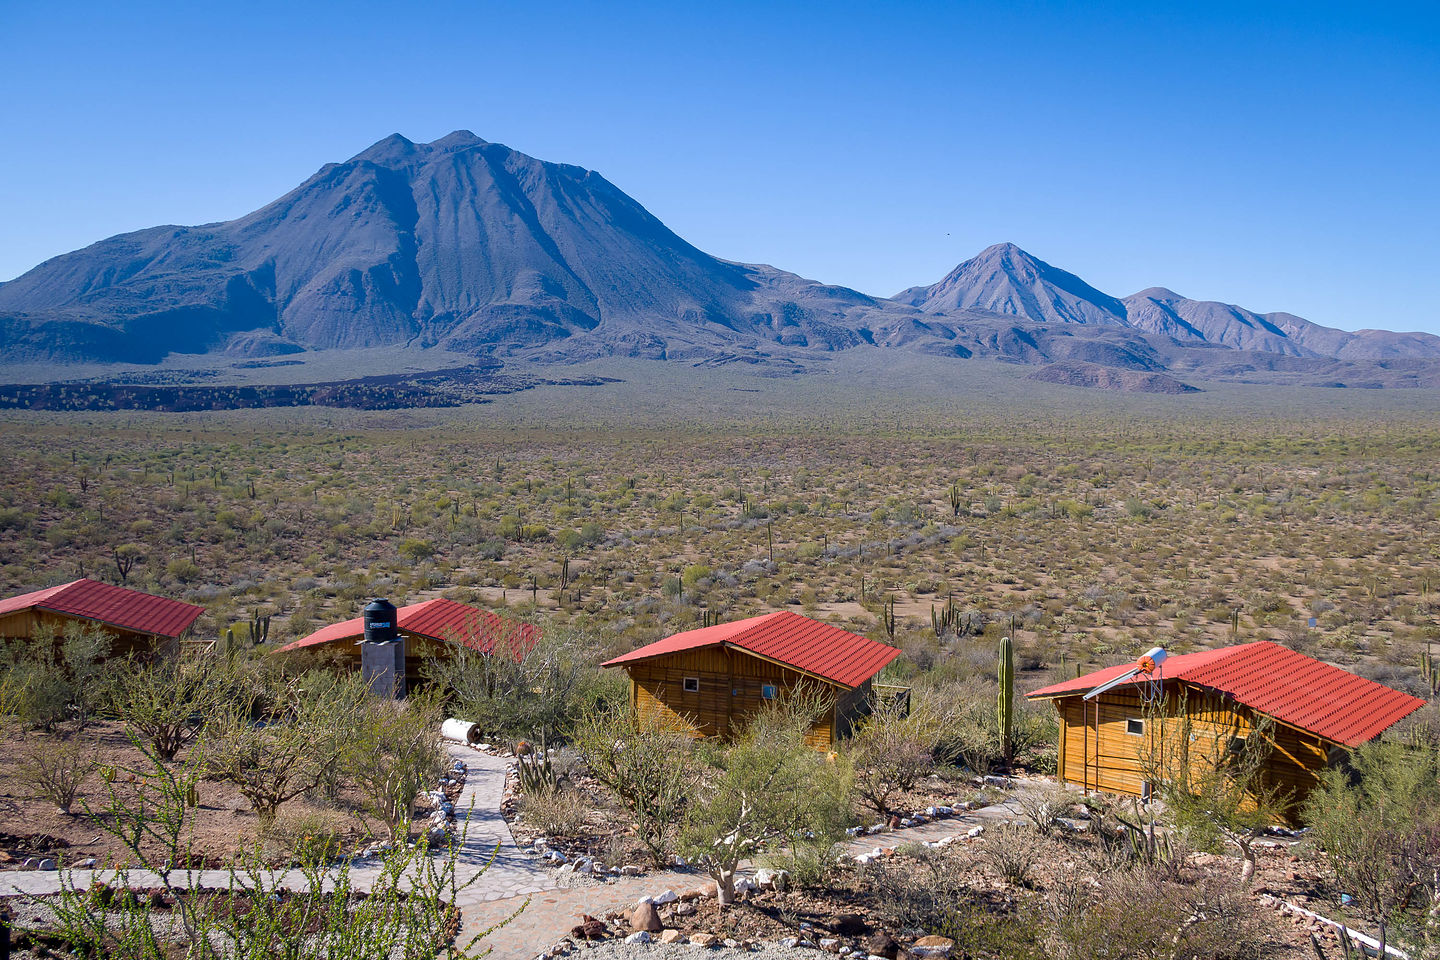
x,y
475,248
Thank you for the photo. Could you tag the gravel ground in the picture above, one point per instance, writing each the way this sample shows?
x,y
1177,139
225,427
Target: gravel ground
x,y
618,949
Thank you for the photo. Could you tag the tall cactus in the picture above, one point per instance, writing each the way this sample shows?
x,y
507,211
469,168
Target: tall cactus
x,y
1429,671
1005,700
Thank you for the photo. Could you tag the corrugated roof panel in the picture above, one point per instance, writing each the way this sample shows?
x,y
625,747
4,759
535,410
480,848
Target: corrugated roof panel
x,y
116,606
1279,682
811,646
439,619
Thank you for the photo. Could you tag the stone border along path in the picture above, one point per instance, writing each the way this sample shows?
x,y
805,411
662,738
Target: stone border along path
x,y
548,916
510,881
487,840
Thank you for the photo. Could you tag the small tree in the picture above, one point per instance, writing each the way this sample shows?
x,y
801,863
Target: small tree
x,y
518,693
1378,823
891,751
1211,779
56,768
167,702
647,766
292,749
770,786
392,754
84,648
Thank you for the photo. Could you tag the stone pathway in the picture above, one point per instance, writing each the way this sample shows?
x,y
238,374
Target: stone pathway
x,y
512,889
548,916
487,842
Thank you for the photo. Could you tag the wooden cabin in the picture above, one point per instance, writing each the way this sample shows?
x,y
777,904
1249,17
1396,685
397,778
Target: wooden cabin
x,y
709,681
1318,712
137,622
432,630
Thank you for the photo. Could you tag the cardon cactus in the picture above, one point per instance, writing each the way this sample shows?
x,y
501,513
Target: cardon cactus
x,y
1005,699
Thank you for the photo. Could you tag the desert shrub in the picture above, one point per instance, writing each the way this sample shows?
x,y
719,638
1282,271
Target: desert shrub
x,y
1012,851
310,836
42,696
892,750
539,694
556,811
968,734
1043,805
770,787
391,753
1378,823
646,766
167,701
919,886
296,742
1198,915
55,768
58,676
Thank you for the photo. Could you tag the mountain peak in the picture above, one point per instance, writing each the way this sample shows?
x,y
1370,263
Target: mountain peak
x,y
456,139
1003,278
390,148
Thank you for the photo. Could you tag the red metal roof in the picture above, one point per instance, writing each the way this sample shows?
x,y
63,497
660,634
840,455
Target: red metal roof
x,y
811,646
110,605
1276,681
443,620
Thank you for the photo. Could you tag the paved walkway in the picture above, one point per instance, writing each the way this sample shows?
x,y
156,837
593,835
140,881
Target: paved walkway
x,y
513,888
487,841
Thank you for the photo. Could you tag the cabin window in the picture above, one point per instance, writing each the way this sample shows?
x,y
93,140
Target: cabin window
x,y
692,684
769,691
1237,744
1135,728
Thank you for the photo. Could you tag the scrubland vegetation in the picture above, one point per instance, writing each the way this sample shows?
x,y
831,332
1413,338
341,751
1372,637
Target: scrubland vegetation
x,y
1086,538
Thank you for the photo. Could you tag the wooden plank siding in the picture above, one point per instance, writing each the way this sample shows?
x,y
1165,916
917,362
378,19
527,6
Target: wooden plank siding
x,y
730,685
27,625
1097,752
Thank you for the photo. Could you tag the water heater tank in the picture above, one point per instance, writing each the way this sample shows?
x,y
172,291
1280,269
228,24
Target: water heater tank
x,y
380,621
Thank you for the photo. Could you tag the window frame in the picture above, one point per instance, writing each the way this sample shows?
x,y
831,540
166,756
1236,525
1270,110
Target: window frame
x,y
690,685
1130,725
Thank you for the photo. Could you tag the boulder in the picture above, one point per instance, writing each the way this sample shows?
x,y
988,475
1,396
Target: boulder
x,y
940,947
830,945
849,925
702,939
639,936
685,908
646,918
772,879
664,897
671,936
882,945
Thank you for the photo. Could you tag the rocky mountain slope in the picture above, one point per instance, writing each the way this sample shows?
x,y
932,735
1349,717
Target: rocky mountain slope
x,y
458,243
1005,279
478,249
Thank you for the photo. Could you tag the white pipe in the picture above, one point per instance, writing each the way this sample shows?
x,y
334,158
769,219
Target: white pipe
x,y
1369,944
462,730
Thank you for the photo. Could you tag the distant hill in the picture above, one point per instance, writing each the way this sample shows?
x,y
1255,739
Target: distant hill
x,y
480,250
1005,279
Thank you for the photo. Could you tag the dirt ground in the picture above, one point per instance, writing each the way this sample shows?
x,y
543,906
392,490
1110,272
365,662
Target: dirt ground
x,y
221,824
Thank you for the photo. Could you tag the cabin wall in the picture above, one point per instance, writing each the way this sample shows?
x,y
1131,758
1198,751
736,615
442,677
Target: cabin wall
x,y
851,708
26,625
1100,753
730,686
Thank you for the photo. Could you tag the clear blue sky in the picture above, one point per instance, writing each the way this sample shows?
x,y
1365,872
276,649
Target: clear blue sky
x,y
1279,156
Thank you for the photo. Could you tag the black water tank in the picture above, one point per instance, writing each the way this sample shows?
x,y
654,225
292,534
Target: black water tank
x,y
380,625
